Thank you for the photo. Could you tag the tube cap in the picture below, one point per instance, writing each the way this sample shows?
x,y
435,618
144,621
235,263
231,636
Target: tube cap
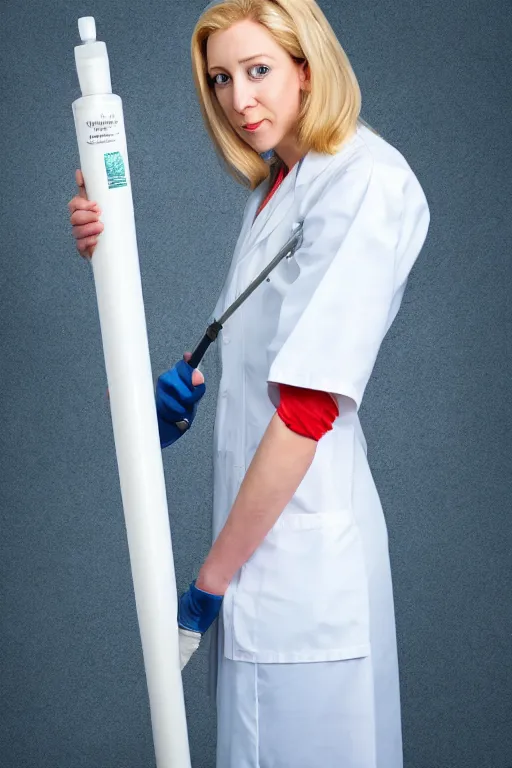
x,y
87,29
91,60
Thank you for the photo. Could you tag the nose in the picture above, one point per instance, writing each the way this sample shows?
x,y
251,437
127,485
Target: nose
x,y
243,94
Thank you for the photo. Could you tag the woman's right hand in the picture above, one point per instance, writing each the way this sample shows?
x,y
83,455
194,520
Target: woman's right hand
x,y
85,219
178,392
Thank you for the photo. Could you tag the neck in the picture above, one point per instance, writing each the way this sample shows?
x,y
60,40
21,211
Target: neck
x,y
290,153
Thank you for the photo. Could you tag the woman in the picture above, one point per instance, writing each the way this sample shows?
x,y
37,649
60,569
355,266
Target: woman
x,y
298,574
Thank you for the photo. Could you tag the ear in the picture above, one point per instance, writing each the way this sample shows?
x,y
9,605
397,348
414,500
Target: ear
x,y
305,76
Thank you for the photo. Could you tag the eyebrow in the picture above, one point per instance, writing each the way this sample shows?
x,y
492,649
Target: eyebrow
x,y
249,58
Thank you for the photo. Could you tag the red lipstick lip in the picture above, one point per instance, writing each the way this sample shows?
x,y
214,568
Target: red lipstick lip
x,y
251,126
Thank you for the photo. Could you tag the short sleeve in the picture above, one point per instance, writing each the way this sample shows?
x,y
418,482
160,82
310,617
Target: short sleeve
x,y
335,315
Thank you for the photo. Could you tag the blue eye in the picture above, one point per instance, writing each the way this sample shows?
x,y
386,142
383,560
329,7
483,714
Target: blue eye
x,y
260,66
257,72
217,82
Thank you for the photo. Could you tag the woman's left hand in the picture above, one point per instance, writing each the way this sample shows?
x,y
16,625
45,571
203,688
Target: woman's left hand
x,y
197,610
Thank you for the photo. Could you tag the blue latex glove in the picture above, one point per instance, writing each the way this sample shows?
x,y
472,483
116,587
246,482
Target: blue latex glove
x,y
176,400
197,610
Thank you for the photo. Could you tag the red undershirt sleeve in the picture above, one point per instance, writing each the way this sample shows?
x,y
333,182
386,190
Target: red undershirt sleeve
x,y
307,412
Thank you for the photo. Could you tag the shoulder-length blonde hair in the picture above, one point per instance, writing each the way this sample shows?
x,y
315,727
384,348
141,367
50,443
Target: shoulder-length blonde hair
x,y
329,111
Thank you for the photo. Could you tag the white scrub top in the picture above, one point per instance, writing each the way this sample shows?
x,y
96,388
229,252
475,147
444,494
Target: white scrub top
x,y
318,321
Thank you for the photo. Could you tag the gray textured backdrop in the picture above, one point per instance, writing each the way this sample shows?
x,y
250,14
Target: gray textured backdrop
x,y
437,414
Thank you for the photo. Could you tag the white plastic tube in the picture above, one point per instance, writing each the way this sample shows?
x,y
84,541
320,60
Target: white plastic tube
x,y
100,132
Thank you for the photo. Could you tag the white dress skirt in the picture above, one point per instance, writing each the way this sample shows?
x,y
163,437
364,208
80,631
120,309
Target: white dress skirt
x,y
334,714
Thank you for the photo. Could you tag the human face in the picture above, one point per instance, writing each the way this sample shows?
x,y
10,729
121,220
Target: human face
x,y
258,86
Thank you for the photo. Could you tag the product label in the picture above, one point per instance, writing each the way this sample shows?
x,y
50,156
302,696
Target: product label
x,y
116,173
105,130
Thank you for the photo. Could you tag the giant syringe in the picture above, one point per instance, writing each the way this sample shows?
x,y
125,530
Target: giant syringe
x,y
100,132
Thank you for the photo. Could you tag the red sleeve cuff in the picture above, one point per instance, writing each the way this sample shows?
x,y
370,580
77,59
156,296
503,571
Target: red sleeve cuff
x,y
308,412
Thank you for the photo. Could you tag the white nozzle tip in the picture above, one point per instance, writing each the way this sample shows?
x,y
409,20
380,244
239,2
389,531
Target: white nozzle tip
x,y
87,29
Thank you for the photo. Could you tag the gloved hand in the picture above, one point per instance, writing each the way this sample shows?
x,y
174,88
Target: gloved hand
x,y
177,393
197,610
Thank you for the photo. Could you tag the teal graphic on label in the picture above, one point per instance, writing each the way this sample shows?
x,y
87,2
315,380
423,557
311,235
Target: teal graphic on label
x,y
116,173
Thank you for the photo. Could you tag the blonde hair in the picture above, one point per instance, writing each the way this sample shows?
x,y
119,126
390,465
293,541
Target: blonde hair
x,y
330,110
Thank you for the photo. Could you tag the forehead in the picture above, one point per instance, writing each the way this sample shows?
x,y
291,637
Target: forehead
x,y
241,40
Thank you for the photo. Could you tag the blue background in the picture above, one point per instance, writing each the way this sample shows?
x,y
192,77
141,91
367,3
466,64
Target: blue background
x,y
435,79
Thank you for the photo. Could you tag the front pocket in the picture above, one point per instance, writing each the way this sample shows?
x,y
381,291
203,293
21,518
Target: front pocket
x,y
303,595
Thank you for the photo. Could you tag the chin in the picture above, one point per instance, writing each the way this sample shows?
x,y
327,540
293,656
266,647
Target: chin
x,y
259,146
262,145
